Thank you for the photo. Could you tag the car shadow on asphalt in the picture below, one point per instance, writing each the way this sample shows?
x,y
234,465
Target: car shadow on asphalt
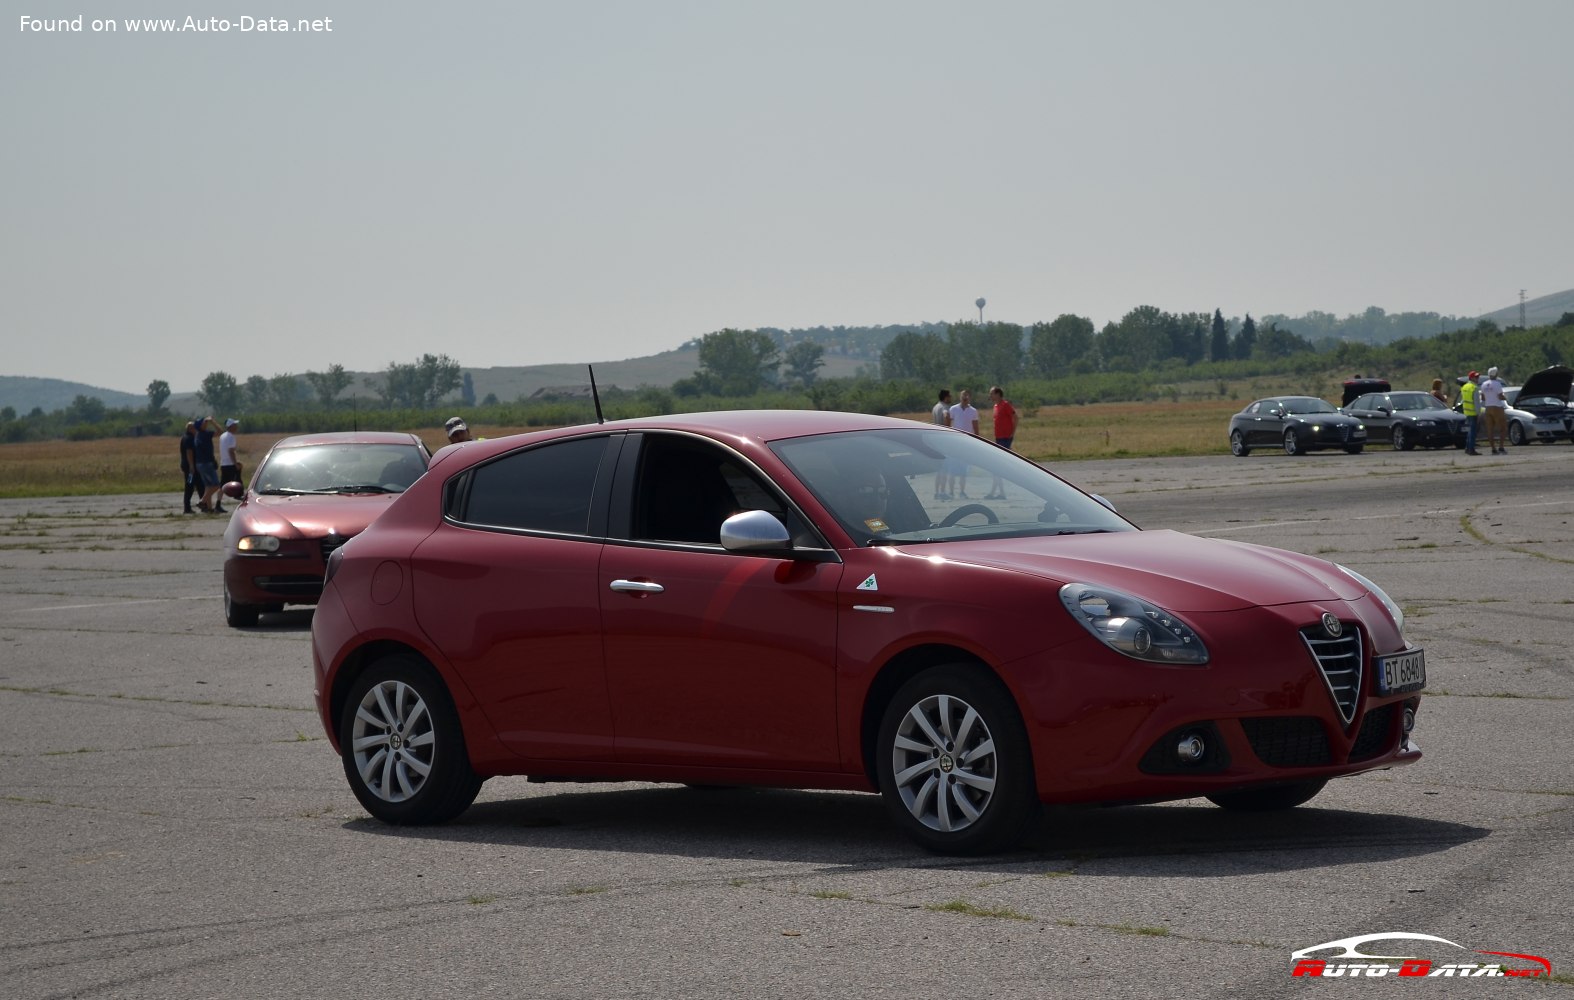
x,y
1193,839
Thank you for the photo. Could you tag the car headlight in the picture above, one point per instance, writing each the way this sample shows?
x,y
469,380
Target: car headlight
x,y
1377,592
1132,626
257,543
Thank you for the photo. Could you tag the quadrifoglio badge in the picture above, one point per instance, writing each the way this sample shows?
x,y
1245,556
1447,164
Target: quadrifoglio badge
x,y
1351,961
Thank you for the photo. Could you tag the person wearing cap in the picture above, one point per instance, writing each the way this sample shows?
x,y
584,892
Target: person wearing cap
x,y
207,466
1467,406
229,465
1494,411
457,430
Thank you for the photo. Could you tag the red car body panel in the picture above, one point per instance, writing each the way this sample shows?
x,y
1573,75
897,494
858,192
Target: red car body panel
x,y
761,669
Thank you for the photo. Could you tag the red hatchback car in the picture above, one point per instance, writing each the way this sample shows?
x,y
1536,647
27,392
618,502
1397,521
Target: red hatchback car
x,y
311,494
772,598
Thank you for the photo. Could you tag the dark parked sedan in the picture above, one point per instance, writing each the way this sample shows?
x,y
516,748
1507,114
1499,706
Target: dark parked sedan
x,y
1408,419
773,598
311,494
1298,424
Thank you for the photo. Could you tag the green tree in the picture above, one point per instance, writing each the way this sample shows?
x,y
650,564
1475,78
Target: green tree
x,y
7,414
1058,347
158,393
467,390
1143,337
1274,343
256,393
421,383
327,385
1246,339
737,362
285,392
1219,343
803,361
220,392
992,351
86,410
922,357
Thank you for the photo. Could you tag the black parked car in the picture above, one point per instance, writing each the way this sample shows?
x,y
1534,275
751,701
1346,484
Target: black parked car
x,y
1408,419
1297,423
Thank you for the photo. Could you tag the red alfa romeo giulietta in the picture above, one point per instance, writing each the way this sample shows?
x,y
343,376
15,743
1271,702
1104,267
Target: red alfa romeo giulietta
x,y
814,600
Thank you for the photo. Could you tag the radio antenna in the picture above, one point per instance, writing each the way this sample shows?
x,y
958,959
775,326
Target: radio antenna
x,y
594,395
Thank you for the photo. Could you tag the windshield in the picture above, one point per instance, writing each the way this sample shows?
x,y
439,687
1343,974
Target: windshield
x,y
889,486
1417,401
341,468
1308,404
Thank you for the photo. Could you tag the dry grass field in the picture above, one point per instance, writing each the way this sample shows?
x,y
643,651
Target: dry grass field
x,y
152,465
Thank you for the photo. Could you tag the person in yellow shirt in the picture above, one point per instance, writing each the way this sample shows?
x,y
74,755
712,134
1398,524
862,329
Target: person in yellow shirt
x,y
1467,400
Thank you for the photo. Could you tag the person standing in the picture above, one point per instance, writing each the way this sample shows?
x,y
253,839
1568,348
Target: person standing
x,y
1005,421
188,463
207,466
964,418
1494,410
229,465
1438,393
1467,405
457,430
940,416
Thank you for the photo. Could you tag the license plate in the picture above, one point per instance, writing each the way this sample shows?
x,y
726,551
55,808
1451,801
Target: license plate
x,y
1401,672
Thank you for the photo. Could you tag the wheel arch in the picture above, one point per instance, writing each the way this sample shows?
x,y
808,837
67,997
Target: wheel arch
x,y
355,664
897,671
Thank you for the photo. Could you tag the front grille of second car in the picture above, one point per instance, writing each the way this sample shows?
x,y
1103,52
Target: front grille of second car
x,y
329,543
1339,658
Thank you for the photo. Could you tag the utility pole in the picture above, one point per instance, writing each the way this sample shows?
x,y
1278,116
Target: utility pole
x,y
1522,309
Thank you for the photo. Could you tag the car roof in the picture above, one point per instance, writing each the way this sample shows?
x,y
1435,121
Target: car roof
x,y
348,437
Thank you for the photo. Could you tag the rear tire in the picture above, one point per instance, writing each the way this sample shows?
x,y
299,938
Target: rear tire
x,y
1269,799
403,747
954,763
1238,446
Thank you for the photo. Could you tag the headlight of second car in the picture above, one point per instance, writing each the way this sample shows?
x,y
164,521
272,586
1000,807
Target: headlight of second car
x,y
257,544
1132,626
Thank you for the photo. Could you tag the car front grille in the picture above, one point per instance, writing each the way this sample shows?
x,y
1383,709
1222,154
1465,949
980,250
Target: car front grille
x,y
1339,658
1376,735
331,542
1288,740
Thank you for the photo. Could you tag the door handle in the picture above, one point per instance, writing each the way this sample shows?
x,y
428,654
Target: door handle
x,y
636,587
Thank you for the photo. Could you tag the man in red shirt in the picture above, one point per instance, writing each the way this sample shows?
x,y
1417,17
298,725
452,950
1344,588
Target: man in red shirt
x,y
1005,431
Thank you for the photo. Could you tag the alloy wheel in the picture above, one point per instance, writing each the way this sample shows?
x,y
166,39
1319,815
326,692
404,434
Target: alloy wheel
x,y
393,741
944,763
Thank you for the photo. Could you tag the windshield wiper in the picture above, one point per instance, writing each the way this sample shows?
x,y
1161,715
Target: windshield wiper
x,y
357,488
285,491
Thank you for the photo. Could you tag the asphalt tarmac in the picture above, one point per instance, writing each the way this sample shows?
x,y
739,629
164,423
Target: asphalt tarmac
x,y
175,824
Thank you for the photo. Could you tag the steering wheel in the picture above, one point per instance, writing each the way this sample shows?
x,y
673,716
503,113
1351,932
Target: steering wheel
x,y
967,510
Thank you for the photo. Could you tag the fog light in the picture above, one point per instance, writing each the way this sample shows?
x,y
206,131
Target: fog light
x,y
1410,719
1191,749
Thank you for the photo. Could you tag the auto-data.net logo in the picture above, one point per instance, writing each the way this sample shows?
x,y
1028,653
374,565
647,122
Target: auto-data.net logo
x,y
1351,961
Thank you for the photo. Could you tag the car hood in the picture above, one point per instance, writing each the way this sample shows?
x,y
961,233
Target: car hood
x,y
1178,572
1554,381
313,516
1322,418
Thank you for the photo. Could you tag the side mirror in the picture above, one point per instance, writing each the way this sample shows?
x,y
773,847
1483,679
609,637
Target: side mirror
x,y
1385,411
1103,500
233,490
755,531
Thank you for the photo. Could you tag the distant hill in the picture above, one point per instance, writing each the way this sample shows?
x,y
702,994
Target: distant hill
x,y
1543,311
22,393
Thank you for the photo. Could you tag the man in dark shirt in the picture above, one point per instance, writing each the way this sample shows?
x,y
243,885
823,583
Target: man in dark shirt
x,y
208,466
188,462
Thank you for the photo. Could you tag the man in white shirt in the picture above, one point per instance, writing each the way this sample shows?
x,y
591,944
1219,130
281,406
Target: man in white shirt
x,y
940,416
1494,411
964,418
229,466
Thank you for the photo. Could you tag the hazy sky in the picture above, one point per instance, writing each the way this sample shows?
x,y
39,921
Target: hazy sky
x,y
531,182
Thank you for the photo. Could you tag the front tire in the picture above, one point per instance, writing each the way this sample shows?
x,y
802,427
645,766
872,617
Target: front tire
x,y
1353,449
1292,444
1238,446
954,763
1516,433
403,747
1402,440
236,614
1269,799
